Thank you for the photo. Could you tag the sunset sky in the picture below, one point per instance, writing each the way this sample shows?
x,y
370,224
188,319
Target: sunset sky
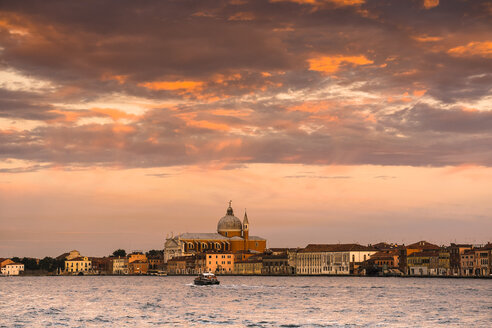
x,y
329,120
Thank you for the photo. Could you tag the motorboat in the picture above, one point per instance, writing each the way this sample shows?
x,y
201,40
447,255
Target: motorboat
x,y
206,278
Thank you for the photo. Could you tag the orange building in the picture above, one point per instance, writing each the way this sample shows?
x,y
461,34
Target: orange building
x,y
406,251
219,262
137,256
232,236
138,267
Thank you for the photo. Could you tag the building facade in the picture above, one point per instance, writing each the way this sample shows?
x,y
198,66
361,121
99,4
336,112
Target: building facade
x,y
12,269
138,267
118,265
423,263
455,252
251,266
332,259
78,265
467,262
482,263
219,263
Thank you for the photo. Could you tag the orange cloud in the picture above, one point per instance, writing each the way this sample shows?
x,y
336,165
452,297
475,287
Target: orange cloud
x,y
231,112
68,116
242,16
115,114
12,28
208,125
419,93
428,4
122,128
426,38
172,86
338,3
482,49
121,79
234,143
328,65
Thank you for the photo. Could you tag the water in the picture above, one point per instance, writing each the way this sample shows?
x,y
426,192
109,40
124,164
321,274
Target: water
x,y
244,302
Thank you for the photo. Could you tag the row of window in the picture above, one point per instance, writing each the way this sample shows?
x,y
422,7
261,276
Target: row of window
x,y
219,256
216,262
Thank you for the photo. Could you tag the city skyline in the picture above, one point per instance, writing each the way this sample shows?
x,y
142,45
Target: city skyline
x,y
329,120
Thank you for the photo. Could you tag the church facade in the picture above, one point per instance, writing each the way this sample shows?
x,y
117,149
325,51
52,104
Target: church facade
x,y
232,236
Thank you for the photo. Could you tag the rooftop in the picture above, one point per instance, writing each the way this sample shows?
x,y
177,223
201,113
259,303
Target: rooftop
x,y
335,248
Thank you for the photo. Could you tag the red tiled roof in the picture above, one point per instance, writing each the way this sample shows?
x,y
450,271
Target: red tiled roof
x,y
422,245
335,248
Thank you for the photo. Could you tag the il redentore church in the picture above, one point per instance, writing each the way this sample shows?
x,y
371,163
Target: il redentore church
x,y
231,236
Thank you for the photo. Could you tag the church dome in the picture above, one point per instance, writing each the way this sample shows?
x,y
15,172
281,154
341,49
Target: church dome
x,y
229,222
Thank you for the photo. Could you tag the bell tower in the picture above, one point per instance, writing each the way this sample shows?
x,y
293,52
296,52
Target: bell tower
x,y
246,231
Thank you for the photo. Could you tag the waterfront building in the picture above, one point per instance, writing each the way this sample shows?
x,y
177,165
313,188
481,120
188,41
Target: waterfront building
x,y
467,262
331,259
118,265
406,251
444,265
251,266
137,256
79,265
455,252
423,263
219,263
482,261
100,265
277,264
12,269
138,267
185,265
232,236
155,262
4,262
383,262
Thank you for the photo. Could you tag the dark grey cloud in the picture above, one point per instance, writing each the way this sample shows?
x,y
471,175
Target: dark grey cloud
x,y
250,63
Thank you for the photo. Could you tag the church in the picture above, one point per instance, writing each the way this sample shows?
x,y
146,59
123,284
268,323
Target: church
x,y
232,236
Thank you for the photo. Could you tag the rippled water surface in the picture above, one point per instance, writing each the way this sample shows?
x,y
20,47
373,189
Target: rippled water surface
x,y
244,302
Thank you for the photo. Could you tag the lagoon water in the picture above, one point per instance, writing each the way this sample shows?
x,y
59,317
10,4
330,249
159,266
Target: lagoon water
x,y
244,302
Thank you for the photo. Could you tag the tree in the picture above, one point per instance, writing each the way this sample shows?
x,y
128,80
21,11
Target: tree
x,y
30,263
119,252
48,264
154,253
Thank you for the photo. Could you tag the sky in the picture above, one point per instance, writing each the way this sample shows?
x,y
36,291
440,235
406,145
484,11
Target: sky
x,y
123,122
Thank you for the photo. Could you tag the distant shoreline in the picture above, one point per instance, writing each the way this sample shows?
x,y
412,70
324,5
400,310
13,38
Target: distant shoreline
x,y
251,275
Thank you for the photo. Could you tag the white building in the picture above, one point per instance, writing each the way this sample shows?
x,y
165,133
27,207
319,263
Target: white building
x,y
331,259
78,265
12,269
119,265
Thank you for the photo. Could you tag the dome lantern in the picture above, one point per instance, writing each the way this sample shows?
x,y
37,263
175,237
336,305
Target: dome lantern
x,y
229,225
